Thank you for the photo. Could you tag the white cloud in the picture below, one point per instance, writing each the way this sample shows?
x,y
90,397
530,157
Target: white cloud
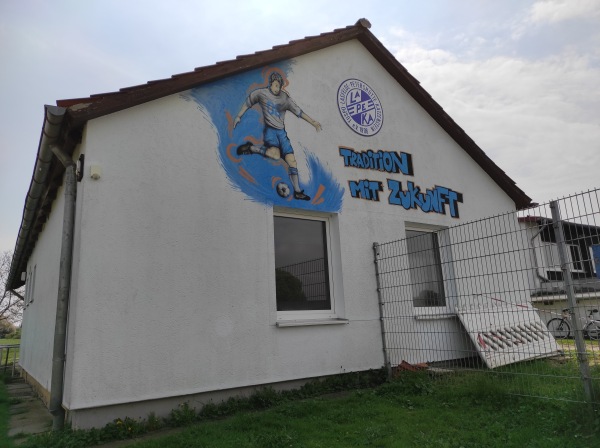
x,y
535,119
554,11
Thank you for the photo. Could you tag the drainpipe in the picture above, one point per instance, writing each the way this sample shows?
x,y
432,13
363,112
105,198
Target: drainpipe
x,y
535,260
12,291
64,286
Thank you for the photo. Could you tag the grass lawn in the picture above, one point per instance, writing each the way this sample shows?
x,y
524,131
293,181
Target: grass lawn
x,y
11,354
4,415
468,410
410,413
592,348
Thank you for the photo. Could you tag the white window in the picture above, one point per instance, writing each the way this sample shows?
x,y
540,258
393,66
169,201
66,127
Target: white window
x,y
431,270
32,292
29,286
303,267
425,268
552,259
576,261
28,281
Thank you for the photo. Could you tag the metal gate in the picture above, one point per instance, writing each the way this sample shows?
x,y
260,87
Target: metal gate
x,y
504,333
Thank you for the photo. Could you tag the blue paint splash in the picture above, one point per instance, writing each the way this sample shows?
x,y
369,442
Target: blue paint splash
x,y
254,175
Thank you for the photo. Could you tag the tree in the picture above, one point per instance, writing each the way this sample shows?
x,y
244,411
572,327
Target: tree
x,y
11,305
288,287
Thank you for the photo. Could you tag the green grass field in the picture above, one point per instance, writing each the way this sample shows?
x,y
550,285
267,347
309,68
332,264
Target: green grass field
x,y
468,410
4,415
11,353
389,417
465,411
592,348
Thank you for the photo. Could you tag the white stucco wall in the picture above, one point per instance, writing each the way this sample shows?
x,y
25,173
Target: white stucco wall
x,y
39,316
174,291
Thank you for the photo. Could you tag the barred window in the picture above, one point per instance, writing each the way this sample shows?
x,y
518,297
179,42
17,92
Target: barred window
x,y
425,268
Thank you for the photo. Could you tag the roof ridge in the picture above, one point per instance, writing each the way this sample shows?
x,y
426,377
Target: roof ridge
x,y
361,23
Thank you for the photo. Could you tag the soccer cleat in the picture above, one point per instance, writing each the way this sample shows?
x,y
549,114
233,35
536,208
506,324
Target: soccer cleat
x,y
300,195
244,149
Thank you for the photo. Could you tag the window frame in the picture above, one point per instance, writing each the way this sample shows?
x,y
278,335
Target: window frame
x,y
29,286
331,237
446,268
574,249
552,259
32,295
28,280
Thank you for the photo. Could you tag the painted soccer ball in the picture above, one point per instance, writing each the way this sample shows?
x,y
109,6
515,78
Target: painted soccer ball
x,y
283,189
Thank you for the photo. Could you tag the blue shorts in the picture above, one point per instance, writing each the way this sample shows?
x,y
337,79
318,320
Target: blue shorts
x,y
279,139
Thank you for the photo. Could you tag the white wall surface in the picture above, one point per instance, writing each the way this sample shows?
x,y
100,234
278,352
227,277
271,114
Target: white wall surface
x,y
39,317
174,291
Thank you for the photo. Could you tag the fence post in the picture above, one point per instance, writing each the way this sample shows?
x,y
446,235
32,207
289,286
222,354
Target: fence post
x,y
582,358
14,365
386,361
6,359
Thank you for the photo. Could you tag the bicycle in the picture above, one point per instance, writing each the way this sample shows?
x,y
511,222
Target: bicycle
x,y
560,328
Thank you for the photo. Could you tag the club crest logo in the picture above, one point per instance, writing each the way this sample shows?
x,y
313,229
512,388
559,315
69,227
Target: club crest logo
x,y
360,107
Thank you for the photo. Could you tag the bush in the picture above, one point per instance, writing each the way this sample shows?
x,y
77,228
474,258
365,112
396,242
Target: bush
x,y
182,416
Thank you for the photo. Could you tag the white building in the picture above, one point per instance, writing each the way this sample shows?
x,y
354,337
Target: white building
x,y
582,243
179,228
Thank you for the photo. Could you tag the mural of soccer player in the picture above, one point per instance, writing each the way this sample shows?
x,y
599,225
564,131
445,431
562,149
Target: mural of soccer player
x,y
274,103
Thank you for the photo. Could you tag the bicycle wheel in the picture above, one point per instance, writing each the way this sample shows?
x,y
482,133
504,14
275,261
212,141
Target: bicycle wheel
x,y
592,330
559,328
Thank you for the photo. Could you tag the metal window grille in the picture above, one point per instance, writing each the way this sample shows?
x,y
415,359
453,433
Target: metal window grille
x,y
505,278
314,278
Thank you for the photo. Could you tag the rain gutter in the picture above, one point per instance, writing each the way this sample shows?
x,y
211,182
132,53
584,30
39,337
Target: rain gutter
x,y
47,151
53,120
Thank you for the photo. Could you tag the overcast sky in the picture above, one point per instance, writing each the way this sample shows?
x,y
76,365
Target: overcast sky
x,y
521,77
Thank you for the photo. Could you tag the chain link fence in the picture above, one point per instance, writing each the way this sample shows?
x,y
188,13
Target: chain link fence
x,y
516,295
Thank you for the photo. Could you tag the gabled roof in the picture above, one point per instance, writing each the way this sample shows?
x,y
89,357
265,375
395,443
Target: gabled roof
x,y
76,112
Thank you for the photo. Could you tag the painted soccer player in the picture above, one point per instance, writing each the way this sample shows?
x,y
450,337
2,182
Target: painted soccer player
x,y
274,102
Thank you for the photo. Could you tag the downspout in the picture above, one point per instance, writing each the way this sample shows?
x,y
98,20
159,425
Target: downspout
x,y
535,260
64,290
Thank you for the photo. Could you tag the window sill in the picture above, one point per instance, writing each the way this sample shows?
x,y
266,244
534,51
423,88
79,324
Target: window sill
x,y
434,316
311,322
